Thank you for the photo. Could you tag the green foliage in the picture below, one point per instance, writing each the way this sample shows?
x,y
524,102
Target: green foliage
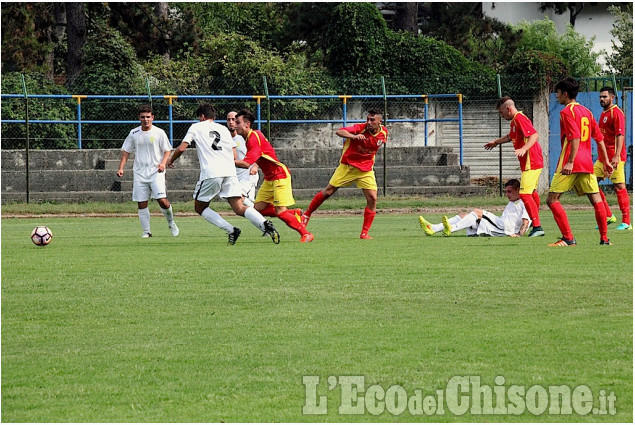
x,y
571,49
40,135
533,70
621,62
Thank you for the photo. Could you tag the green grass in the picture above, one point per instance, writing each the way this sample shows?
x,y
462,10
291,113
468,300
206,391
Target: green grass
x,y
102,326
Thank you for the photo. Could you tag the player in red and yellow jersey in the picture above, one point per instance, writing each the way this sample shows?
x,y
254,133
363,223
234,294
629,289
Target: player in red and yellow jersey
x,y
612,126
575,165
275,193
356,166
529,153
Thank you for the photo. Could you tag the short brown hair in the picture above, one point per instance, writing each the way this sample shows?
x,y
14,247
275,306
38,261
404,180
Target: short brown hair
x,y
247,115
145,108
502,101
513,183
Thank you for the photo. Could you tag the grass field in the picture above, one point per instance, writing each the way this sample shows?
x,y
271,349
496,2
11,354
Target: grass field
x,y
102,326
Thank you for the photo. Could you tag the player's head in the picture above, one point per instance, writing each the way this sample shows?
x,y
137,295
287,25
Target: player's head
x,y
205,111
373,120
607,95
567,90
512,189
146,116
231,121
506,108
245,119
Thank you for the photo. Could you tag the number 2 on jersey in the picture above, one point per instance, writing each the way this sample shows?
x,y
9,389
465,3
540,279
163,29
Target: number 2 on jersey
x,y
215,136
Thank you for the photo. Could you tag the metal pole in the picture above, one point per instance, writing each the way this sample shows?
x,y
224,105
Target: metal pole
x,y
171,117
383,88
148,89
27,147
460,96
264,79
500,134
425,117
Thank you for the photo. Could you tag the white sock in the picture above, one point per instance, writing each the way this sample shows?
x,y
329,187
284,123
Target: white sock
x,y
467,221
247,202
255,217
169,216
144,219
218,221
439,227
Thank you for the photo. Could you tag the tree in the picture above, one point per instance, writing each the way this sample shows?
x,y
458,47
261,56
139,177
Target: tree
x,y
561,8
76,33
406,17
622,59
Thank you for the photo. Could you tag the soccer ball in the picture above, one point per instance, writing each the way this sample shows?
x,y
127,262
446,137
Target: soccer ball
x,y
41,236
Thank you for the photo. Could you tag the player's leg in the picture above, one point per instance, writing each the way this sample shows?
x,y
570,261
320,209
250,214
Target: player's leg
x,y
465,221
204,192
587,184
317,200
369,212
561,183
619,183
141,192
160,194
282,197
598,171
431,228
528,184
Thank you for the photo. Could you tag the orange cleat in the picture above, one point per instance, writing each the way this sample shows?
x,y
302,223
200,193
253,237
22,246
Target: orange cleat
x,y
364,235
307,237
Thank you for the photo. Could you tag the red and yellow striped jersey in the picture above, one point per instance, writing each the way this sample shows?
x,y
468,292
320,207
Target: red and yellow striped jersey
x,y
612,124
260,151
520,130
577,122
361,153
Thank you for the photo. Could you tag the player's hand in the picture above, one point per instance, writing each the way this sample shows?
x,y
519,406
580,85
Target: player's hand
x,y
608,170
520,152
515,235
161,167
170,164
491,145
567,169
120,173
615,161
253,171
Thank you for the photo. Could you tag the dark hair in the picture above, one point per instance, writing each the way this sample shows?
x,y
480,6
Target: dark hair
x,y
248,115
207,110
608,89
569,85
513,183
375,111
145,108
502,101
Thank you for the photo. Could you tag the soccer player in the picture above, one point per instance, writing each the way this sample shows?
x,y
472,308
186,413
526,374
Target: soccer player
x,y
214,147
275,193
356,166
513,222
613,129
575,165
152,149
529,153
248,177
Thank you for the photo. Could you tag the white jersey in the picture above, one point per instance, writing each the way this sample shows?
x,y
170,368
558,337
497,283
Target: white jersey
x,y
148,148
241,151
513,216
214,147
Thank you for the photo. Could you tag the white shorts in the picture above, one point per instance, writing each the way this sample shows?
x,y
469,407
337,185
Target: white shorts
x,y
490,225
153,187
248,189
223,187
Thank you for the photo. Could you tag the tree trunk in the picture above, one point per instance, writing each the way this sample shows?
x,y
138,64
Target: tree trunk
x,y
161,13
76,31
406,17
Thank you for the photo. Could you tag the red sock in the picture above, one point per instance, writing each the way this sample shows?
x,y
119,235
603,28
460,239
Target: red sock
x,y
315,203
369,216
625,205
606,204
560,215
532,209
269,211
536,197
600,217
290,220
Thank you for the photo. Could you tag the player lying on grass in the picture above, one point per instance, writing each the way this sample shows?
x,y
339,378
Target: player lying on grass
x,y
513,222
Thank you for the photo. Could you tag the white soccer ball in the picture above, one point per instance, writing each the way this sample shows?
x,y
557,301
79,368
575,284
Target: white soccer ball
x,y
41,236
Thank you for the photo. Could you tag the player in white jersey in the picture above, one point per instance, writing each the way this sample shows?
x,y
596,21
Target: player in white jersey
x,y
214,147
513,222
248,177
151,149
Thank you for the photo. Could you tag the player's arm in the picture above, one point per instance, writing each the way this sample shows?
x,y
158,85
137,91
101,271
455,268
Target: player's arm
x,y
164,162
253,169
522,230
253,153
530,142
346,134
122,162
604,157
619,143
494,143
568,167
177,153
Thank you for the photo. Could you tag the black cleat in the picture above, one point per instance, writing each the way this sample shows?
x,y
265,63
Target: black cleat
x,y
233,236
606,242
271,231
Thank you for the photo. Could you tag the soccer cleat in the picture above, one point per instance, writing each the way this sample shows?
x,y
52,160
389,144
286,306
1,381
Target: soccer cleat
x,y
305,219
606,242
307,237
624,226
612,219
174,229
364,235
535,232
146,235
271,231
233,236
426,226
447,228
563,242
